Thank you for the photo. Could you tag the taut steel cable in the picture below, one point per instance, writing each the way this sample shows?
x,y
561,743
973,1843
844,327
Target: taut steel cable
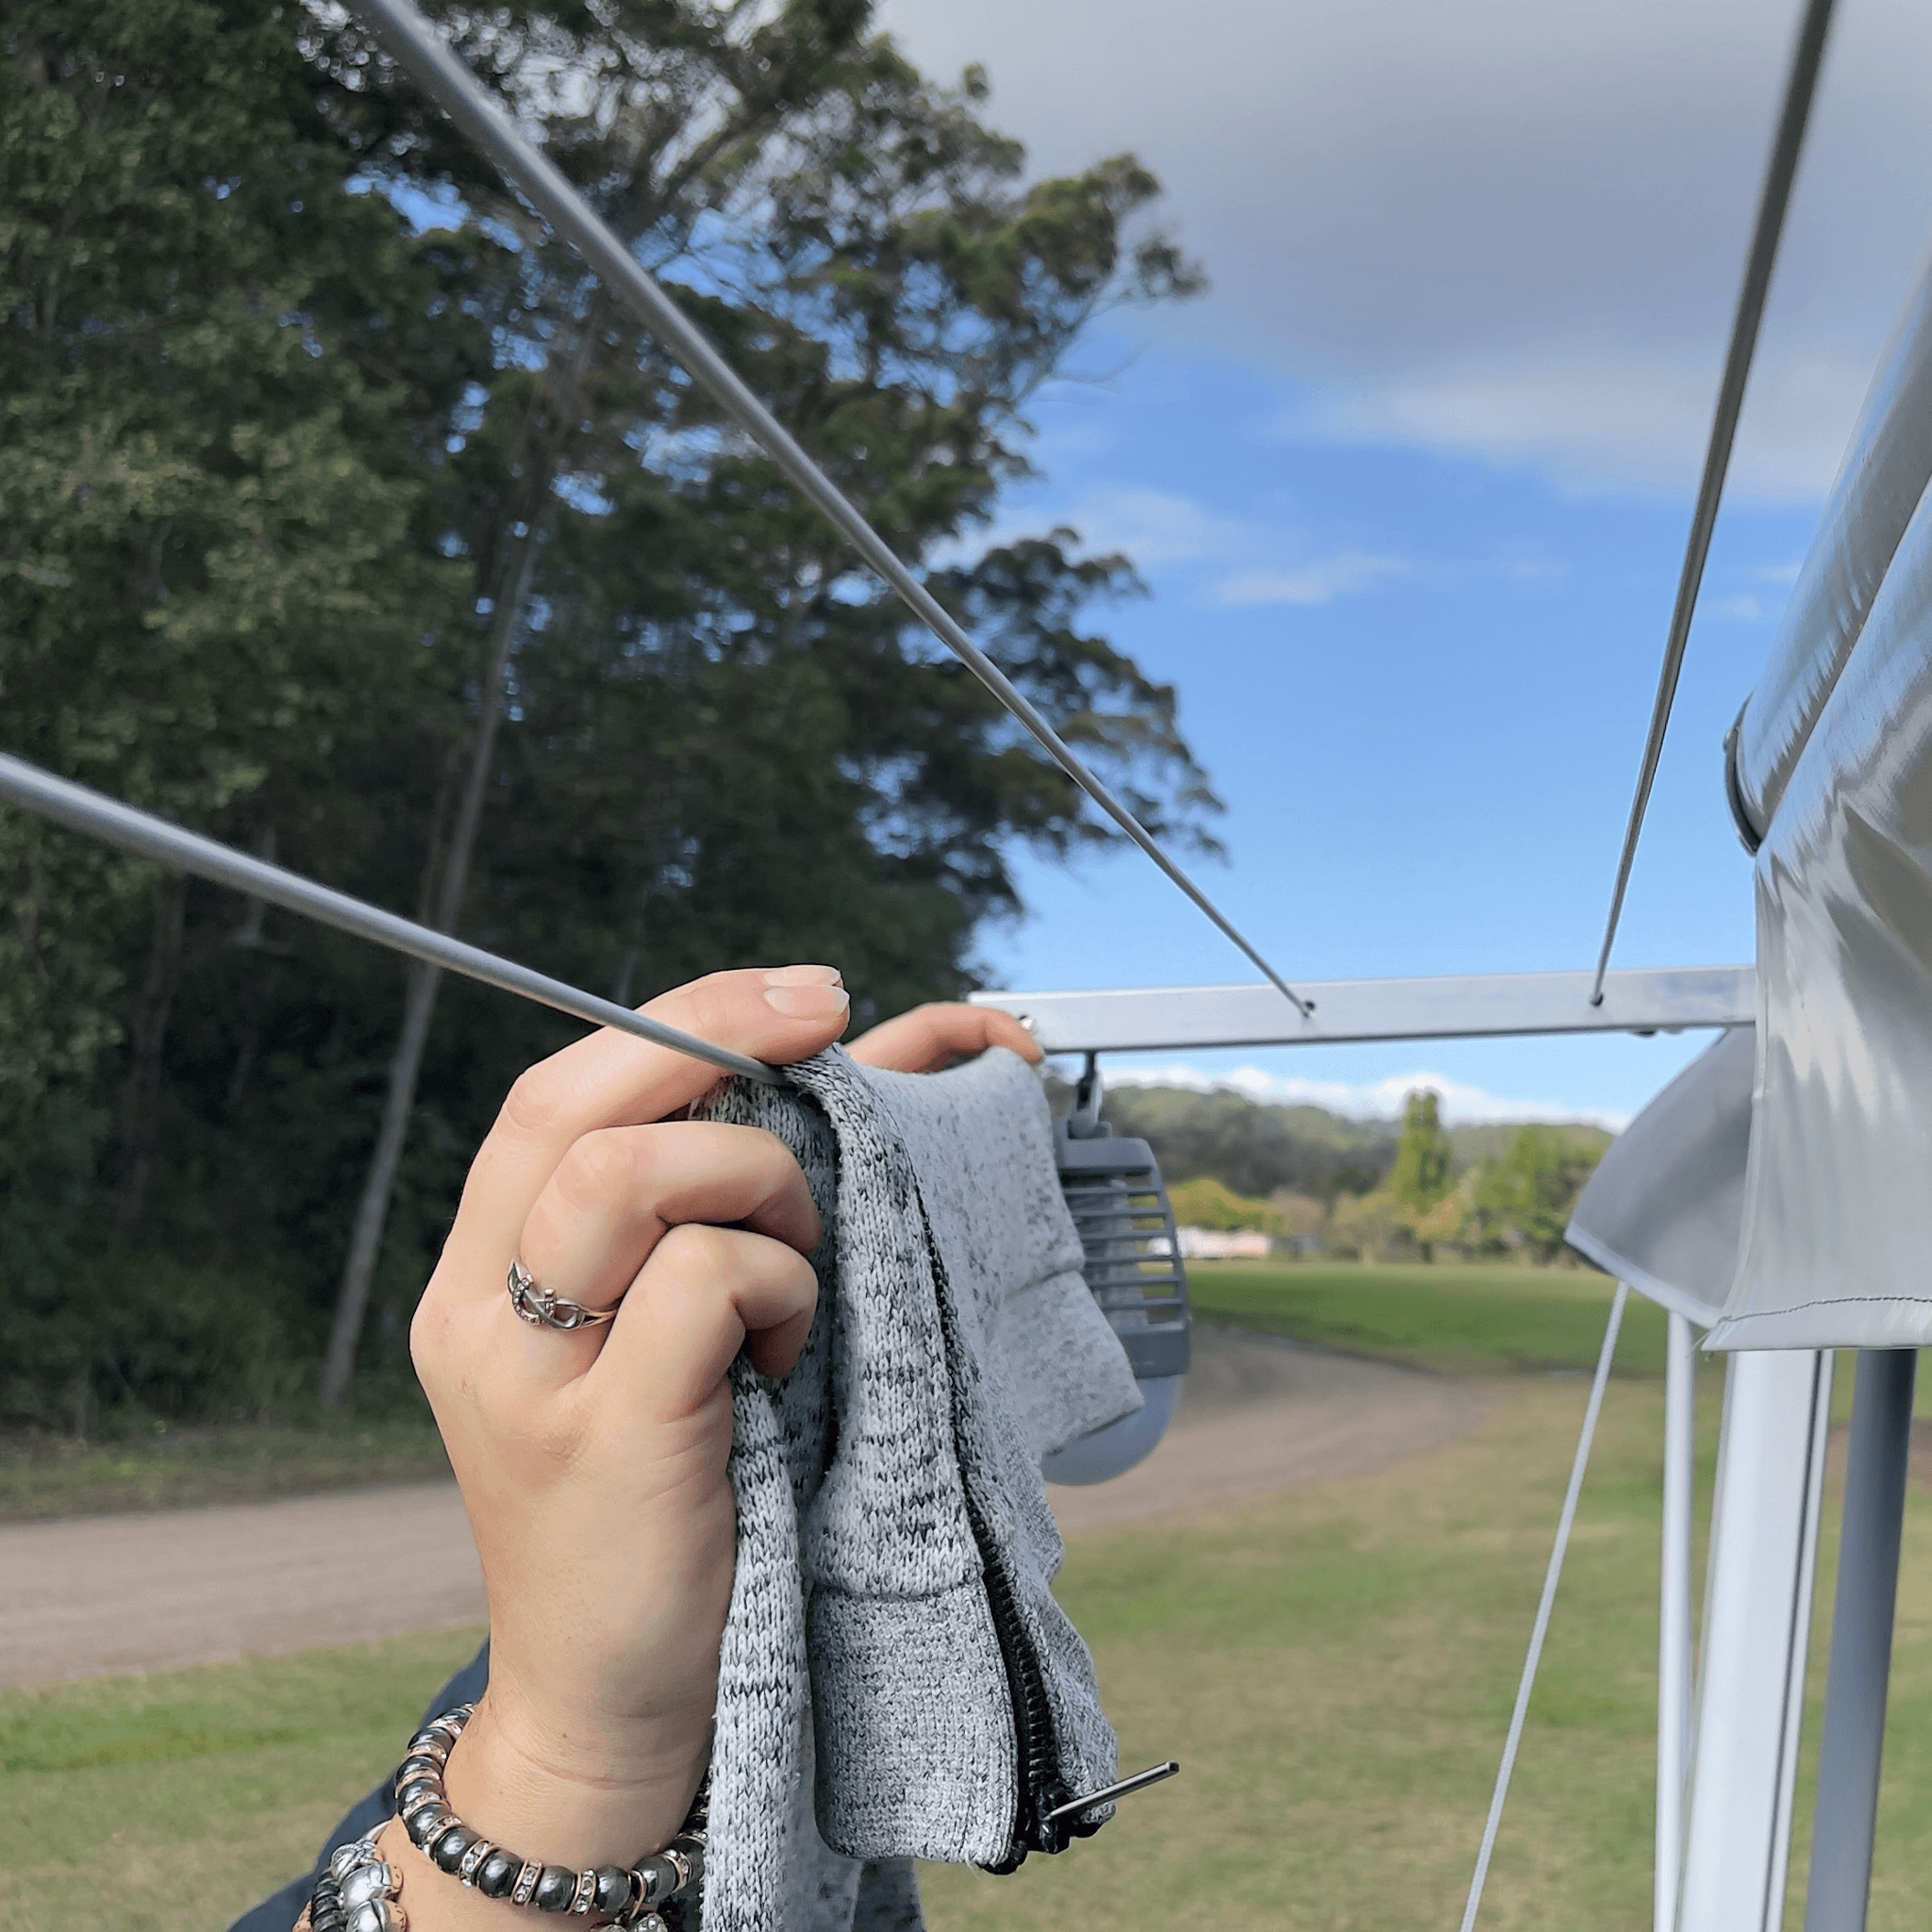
x,y
1539,1629
1801,84
469,104
109,819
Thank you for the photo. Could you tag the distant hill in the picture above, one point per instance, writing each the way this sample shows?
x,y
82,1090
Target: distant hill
x,y
1260,1149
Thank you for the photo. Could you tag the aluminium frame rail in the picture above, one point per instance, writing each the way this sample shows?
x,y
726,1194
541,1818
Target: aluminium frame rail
x,y
1461,1007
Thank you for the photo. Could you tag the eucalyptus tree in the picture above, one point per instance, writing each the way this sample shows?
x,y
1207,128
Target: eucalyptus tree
x,y
750,753
343,521
211,482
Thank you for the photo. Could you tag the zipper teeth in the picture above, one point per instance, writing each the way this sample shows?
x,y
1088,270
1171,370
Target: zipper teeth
x,y
1037,1781
1033,1736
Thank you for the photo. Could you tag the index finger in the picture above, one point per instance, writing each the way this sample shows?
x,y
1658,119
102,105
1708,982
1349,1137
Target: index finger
x,y
614,1079
932,1037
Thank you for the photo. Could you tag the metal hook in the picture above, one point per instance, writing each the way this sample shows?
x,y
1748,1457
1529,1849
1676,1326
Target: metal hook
x,y
1083,1123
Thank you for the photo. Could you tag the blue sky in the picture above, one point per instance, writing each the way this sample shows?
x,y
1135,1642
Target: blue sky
x,y
1409,486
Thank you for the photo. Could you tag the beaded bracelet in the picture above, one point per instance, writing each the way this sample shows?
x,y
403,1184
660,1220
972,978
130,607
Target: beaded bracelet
x,y
357,1892
627,1896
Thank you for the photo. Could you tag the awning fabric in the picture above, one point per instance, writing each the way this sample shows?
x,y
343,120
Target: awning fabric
x,y
1663,1208
1836,1232
1812,1174
1884,474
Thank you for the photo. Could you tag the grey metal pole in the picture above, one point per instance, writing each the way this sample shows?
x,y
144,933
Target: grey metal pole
x,y
421,53
106,819
1674,1619
1840,1882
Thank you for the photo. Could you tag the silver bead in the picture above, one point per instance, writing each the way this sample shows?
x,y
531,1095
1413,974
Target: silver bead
x,y
651,1922
379,1915
367,1882
343,1860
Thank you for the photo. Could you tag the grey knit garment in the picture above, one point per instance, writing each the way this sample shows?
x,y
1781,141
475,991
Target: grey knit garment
x,y
864,1713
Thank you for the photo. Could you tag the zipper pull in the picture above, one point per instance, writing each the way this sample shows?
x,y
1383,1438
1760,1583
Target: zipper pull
x,y
1108,1793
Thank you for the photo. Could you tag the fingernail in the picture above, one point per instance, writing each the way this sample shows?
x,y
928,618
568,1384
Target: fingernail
x,y
808,1002
805,976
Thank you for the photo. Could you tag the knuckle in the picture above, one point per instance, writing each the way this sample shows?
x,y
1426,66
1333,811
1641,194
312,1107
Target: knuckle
x,y
429,1336
596,1170
694,1248
534,1100
769,1157
796,1274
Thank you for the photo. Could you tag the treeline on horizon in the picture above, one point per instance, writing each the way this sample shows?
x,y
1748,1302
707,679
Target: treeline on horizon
x,y
1368,1189
345,520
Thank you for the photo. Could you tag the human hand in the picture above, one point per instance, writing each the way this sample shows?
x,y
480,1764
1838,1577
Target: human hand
x,y
592,1463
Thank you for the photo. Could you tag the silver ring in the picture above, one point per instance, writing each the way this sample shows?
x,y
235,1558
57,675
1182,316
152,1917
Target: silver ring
x,y
542,1309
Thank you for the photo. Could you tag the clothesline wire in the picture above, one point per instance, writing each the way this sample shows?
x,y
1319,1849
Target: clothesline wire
x,y
1801,84
449,83
123,826
1539,1629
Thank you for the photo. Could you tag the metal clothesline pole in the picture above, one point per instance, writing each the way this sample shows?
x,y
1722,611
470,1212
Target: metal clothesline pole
x,y
479,115
1851,1743
1541,1629
1674,1619
100,817
1801,84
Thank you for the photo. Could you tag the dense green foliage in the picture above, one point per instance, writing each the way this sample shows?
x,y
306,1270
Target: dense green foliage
x,y
1253,1148
1205,1202
1531,1189
1421,1176
302,418
1372,1188
1421,1173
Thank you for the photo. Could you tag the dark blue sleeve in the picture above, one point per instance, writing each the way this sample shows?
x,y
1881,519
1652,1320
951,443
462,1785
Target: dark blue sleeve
x,y
279,1913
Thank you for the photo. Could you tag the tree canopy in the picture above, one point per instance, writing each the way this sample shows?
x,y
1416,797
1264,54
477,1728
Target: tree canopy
x,y
319,454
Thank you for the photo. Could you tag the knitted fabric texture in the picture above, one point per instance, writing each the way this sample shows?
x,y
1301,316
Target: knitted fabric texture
x,y
865,1715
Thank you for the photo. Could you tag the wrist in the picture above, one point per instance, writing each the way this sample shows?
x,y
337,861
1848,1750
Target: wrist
x,y
560,1860
577,1797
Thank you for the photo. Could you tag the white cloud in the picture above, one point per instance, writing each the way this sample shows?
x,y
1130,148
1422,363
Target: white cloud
x,y
1154,527
1589,417
1312,583
1503,226
1462,1105
1158,530
1744,609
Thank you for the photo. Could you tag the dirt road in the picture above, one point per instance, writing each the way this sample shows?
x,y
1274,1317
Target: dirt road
x,y
95,1595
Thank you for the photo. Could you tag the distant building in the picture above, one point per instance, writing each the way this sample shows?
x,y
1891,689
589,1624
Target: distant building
x,y
1215,1244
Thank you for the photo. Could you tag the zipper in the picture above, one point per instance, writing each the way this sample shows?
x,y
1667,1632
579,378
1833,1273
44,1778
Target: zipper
x,y
1037,1781
1037,1778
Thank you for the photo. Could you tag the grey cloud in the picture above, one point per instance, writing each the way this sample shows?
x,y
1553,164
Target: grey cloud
x,y
1508,226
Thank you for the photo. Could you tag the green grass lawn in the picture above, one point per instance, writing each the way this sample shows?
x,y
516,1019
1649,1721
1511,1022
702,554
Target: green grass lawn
x,y
1460,1320
173,1469
1333,1668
